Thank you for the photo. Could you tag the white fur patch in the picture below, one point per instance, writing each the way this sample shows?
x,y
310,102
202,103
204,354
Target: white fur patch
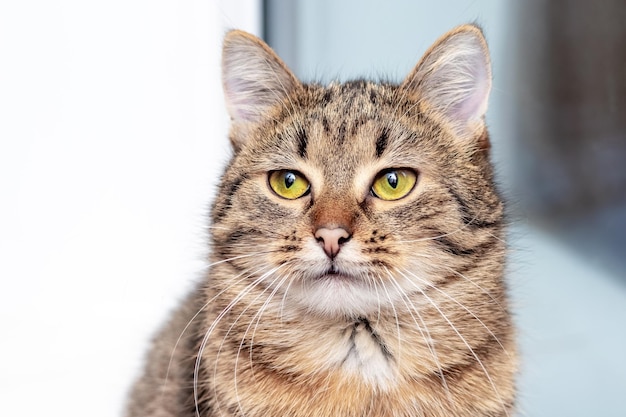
x,y
367,359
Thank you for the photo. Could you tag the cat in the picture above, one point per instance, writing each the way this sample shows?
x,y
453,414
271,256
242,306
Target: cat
x,y
357,251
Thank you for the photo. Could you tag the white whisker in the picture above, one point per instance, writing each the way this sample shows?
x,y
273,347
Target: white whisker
x,y
465,342
209,331
257,314
454,300
423,328
395,313
471,281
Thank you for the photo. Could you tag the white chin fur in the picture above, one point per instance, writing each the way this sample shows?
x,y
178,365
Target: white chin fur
x,y
339,297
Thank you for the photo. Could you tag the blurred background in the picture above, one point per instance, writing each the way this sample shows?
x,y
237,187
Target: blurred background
x,y
113,136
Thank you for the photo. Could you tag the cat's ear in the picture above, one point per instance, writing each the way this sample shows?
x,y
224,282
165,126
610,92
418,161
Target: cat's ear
x,y
254,80
453,80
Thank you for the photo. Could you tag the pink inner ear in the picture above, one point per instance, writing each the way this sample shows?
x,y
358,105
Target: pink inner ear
x,y
240,99
454,78
474,103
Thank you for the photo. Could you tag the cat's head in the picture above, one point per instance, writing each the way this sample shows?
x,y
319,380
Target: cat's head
x,y
346,199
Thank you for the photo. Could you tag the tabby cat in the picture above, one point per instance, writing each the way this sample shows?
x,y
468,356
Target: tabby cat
x,y
357,251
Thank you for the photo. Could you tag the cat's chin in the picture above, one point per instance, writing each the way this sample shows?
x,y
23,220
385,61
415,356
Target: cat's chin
x,y
338,295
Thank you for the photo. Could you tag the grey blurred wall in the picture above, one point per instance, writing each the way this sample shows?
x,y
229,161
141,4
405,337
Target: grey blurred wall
x,y
569,127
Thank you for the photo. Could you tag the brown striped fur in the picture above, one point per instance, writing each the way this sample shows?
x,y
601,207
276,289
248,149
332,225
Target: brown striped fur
x,y
416,323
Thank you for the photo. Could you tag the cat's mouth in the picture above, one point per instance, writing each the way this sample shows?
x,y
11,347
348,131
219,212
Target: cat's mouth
x,y
334,274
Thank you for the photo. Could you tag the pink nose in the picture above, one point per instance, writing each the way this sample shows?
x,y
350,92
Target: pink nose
x,y
332,239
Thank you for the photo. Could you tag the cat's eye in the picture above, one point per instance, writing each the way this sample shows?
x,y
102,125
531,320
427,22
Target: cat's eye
x,y
393,184
289,184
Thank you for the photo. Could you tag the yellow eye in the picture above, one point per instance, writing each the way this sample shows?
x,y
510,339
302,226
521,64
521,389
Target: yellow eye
x,y
393,184
289,184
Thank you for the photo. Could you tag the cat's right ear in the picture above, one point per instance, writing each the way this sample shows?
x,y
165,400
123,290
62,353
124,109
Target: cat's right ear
x,y
255,79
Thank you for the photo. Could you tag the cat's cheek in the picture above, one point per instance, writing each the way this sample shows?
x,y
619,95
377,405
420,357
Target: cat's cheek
x,y
415,278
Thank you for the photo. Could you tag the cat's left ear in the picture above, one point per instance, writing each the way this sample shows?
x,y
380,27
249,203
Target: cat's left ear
x,y
453,80
254,80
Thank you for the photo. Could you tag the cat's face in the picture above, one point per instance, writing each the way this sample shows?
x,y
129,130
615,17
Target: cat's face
x,y
343,200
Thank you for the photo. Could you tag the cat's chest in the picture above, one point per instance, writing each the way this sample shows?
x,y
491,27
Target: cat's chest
x,y
356,352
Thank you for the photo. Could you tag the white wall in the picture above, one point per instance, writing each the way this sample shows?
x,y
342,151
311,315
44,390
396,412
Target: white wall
x,y
112,138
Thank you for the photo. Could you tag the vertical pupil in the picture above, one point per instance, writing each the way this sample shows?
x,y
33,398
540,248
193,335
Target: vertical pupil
x,y
290,178
392,179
